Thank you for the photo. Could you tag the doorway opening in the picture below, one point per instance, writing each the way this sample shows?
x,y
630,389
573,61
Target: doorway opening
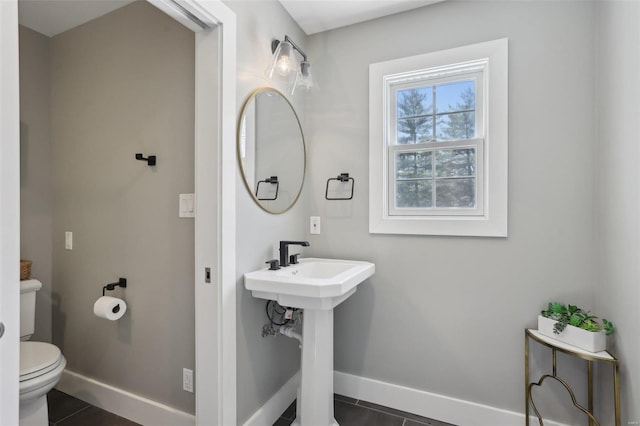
x,y
215,206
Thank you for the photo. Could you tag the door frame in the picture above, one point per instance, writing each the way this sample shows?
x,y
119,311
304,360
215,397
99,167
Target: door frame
x,y
215,227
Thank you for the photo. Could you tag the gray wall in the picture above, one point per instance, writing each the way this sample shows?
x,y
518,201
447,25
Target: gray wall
x,y
124,215
618,291
263,364
36,196
446,315
122,84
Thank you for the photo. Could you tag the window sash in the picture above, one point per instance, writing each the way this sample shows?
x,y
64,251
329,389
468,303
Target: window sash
x,y
397,84
394,150
470,72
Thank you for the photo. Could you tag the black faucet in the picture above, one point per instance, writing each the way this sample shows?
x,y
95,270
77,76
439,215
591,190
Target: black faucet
x,y
284,250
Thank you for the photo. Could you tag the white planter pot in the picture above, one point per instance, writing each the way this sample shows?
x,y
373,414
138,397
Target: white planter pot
x,y
574,336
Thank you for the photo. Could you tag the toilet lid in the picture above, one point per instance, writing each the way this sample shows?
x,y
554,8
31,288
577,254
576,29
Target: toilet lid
x,y
37,358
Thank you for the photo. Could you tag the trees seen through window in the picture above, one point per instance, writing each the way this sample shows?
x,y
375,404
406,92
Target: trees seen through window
x,y
440,178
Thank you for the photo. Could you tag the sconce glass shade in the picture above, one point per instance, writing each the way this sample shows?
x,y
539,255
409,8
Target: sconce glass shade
x,y
283,61
304,80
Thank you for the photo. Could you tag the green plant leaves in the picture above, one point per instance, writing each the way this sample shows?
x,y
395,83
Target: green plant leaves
x,y
575,316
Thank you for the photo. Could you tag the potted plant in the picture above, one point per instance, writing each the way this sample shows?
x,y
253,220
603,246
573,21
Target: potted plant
x,y
575,326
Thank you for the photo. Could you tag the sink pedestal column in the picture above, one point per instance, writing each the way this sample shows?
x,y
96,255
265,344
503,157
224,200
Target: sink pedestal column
x,y
315,404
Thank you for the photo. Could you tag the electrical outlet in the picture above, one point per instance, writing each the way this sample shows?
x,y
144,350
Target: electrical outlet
x,y
314,225
187,380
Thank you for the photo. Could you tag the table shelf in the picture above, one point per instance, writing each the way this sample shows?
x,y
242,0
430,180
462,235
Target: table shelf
x,y
591,357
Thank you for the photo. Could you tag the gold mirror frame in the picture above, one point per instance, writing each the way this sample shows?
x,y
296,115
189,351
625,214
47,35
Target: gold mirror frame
x,y
250,185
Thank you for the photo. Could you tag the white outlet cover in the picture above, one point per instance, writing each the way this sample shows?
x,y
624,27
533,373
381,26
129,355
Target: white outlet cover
x,y
187,380
314,225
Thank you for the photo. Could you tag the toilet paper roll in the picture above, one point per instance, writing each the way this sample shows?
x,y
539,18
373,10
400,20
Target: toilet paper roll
x,y
110,308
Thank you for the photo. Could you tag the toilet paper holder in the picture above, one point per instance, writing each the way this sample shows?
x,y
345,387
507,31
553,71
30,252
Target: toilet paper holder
x,y
122,282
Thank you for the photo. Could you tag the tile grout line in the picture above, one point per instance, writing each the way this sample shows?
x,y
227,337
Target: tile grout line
x,y
398,415
71,415
381,410
404,418
356,403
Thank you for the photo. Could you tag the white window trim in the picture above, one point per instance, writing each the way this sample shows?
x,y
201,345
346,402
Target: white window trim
x,y
493,221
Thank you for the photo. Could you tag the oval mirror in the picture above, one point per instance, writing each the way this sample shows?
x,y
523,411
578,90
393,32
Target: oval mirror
x,y
271,150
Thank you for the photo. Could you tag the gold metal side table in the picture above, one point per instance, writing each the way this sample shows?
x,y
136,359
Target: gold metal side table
x,y
590,357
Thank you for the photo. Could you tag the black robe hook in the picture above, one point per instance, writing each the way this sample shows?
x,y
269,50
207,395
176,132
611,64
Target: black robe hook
x,y
151,160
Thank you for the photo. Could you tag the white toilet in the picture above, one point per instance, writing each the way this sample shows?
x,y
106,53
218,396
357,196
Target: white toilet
x,y
41,364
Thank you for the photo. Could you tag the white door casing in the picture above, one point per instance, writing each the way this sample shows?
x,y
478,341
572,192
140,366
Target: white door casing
x,y
215,293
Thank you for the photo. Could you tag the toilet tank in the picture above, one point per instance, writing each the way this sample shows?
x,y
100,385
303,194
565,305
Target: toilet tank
x,y
28,290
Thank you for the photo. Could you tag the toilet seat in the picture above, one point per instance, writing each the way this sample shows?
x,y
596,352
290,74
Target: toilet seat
x,y
37,359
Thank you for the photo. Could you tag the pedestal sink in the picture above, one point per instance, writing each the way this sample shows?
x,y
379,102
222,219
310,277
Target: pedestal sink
x,y
317,286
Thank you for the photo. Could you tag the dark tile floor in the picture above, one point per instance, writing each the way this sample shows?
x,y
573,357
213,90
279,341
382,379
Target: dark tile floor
x,y
353,412
65,410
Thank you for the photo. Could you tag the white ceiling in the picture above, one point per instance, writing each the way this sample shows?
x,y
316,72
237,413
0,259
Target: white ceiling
x,y
51,17
315,16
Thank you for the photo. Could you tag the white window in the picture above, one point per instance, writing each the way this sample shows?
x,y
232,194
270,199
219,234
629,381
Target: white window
x,y
438,143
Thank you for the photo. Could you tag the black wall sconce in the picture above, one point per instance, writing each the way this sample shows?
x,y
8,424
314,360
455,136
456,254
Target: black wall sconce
x,y
151,160
284,63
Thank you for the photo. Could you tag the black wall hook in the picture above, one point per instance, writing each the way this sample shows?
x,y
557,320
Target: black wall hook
x,y
151,160
122,282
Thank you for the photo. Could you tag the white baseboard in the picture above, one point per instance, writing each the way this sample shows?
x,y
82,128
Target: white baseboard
x,y
427,404
269,412
123,403
147,412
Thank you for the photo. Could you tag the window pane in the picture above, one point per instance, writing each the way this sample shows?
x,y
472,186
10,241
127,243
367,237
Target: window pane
x,y
415,102
456,126
456,193
460,96
415,130
414,194
413,165
456,162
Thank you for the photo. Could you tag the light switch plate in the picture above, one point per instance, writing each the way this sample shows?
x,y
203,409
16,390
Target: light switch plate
x,y
68,240
187,380
187,205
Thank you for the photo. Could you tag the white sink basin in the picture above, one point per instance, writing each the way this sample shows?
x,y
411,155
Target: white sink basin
x,y
312,283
